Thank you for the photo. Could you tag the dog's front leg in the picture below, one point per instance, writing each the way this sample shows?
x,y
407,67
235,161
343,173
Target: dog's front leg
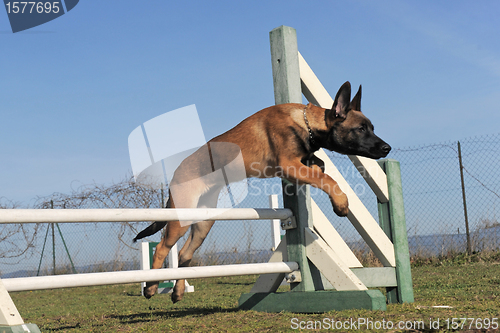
x,y
295,171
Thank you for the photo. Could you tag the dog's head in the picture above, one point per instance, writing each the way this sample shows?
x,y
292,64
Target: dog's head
x,y
351,133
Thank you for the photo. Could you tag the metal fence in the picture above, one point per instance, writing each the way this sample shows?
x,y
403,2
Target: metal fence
x,y
439,205
432,189
434,196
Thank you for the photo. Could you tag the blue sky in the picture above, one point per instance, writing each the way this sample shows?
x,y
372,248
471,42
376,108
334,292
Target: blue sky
x,y
73,89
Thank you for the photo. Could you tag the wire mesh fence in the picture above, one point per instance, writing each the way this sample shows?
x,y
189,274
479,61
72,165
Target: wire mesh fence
x,y
438,205
432,191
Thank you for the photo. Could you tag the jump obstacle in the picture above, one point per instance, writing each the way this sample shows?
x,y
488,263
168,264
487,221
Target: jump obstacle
x,y
10,319
313,256
165,287
325,261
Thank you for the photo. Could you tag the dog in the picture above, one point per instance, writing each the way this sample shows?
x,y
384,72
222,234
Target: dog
x,y
278,141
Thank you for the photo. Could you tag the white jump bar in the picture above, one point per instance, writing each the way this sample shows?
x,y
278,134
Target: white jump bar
x,y
133,214
108,278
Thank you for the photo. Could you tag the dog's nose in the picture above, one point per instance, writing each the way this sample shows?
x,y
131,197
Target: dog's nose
x,y
386,148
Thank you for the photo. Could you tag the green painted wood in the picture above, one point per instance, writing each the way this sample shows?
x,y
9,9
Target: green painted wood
x,y
375,277
285,65
166,285
152,246
385,224
286,79
313,301
384,218
399,234
298,199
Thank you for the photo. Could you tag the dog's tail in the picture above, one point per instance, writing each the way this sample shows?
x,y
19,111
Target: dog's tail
x,y
152,229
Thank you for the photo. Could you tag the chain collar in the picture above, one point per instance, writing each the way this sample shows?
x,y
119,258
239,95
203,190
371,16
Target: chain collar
x,y
311,139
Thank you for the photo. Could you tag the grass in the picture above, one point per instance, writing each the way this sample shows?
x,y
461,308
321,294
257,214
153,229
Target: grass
x,y
470,287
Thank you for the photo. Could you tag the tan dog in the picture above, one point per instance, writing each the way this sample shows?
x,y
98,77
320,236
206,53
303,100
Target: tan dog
x,y
278,141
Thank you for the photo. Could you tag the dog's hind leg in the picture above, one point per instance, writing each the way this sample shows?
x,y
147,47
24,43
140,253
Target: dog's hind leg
x,y
173,232
199,232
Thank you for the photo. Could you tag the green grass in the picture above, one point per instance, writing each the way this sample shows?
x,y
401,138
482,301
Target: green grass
x,y
472,289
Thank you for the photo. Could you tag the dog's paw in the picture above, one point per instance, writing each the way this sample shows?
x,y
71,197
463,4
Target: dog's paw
x,y
341,205
176,298
150,289
178,291
341,211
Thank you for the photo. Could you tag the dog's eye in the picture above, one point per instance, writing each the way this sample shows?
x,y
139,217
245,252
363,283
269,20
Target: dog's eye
x,y
362,129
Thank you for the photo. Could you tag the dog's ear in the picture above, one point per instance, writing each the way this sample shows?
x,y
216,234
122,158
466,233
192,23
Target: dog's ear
x,y
356,101
341,104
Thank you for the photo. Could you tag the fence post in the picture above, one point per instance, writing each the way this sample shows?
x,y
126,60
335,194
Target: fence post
x,y
393,222
275,224
10,319
286,79
469,247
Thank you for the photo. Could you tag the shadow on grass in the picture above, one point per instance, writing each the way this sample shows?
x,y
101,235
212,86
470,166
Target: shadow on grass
x,y
149,316
134,294
61,328
236,283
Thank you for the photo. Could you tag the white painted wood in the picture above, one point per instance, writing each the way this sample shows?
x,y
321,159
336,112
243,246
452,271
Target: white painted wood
x,y
173,257
168,290
108,278
361,218
374,176
145,262
375,277
188,288
135,214
275,224
9,316
268,283
315,93
330,264
325,229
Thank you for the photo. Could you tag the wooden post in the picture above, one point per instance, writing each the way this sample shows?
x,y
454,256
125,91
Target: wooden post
x,y
393,222
285,65
286,79
275,224
10,319
385,224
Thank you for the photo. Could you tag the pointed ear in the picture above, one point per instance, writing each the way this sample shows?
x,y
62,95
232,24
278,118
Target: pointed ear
x,y
356,101
341,104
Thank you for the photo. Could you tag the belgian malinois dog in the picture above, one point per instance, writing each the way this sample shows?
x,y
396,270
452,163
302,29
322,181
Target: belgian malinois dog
x,y
278,141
